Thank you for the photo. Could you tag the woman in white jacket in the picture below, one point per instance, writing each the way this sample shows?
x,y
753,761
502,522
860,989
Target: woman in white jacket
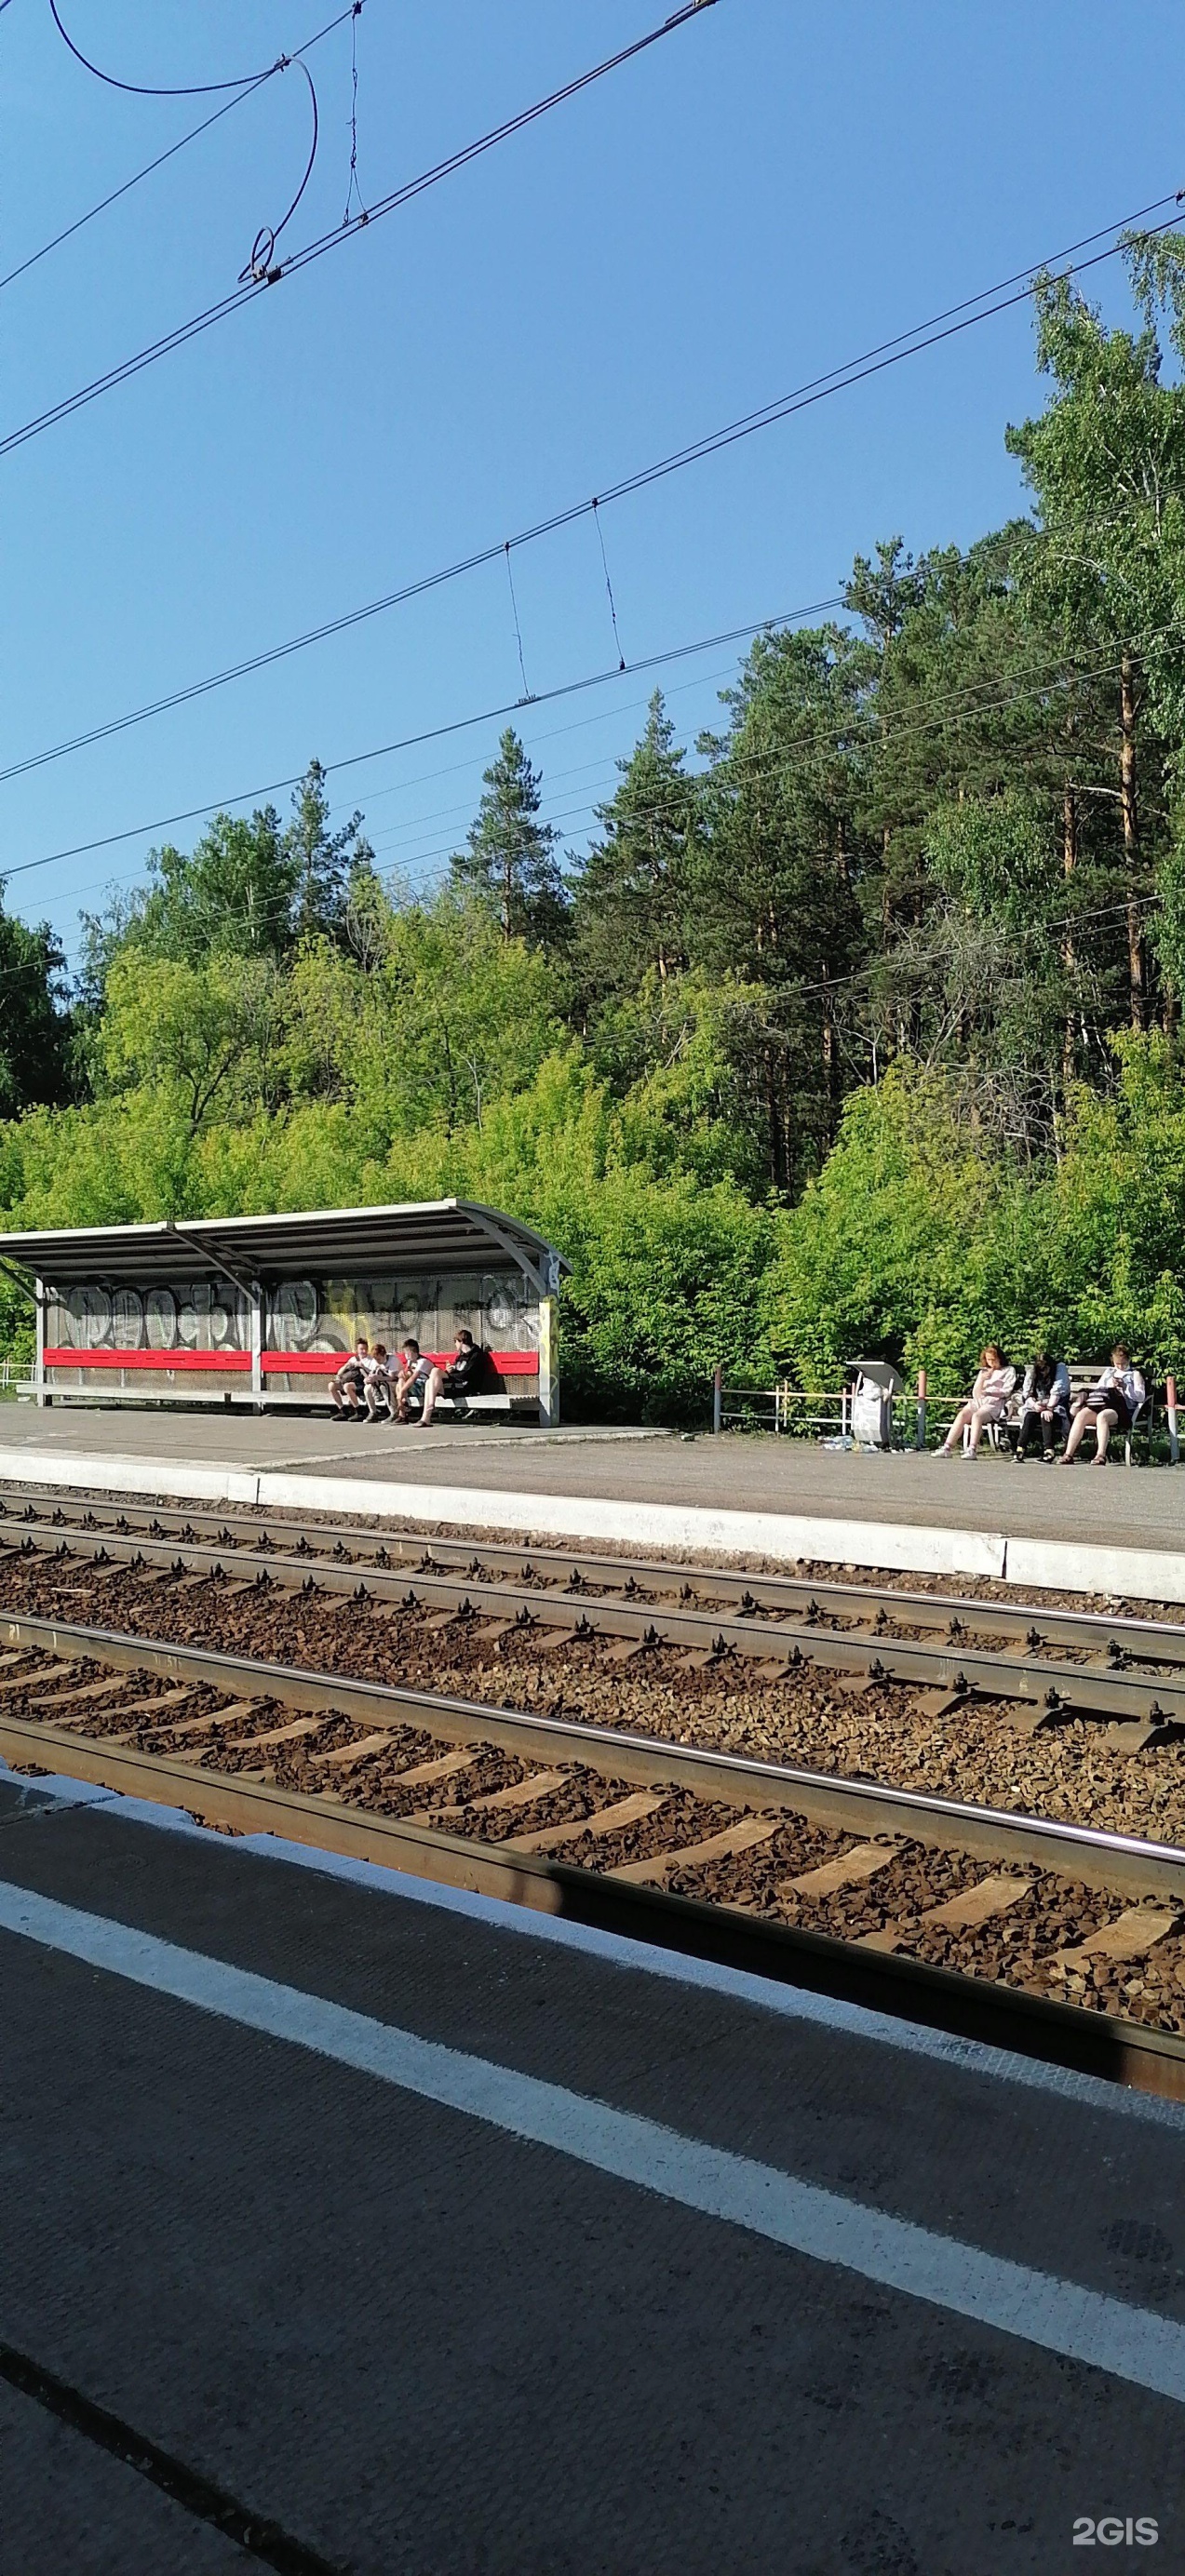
x,y
988,1402
1112,1405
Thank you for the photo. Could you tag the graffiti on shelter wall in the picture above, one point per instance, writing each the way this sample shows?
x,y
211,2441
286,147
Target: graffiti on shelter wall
x,y
302,1315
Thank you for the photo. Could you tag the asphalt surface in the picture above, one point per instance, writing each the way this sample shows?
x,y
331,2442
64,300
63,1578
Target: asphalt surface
x,y
416,2342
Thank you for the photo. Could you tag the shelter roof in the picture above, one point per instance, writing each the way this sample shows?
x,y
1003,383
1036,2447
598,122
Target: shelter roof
x,y
440,1234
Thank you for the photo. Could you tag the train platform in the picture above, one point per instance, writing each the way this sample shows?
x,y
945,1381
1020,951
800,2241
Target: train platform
x,y
355,2224
1120,1532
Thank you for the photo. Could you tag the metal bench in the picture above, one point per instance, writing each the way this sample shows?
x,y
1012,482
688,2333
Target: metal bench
x,y
1083,1375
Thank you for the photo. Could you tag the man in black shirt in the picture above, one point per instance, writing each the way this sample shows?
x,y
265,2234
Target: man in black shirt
x,y
461,1379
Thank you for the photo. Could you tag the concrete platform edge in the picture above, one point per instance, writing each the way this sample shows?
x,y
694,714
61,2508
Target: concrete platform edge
x,y
792,1536
1154,1574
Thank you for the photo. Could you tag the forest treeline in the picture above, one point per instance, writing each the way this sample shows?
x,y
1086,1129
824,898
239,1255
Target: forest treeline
x,y
857,1026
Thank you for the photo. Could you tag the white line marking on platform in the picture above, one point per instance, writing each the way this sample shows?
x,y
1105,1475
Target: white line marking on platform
x,y
616,1950
1130,2343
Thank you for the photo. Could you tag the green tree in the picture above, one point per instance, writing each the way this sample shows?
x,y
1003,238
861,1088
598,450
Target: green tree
x,y
325,865
633,890
197,1038
509,862
1106,463
232,896
36,1028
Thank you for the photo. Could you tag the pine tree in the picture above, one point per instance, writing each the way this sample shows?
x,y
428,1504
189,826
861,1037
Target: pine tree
x,y
633,889
324,863
509,862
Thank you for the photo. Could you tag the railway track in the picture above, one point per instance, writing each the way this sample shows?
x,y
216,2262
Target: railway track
x,y
1061,1941
1048,1663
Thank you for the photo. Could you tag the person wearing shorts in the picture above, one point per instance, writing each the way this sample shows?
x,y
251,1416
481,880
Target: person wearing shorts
x,y
376,1381
414,1373
1112,1405
347,1386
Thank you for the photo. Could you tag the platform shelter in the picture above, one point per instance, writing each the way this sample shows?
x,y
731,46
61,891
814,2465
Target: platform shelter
x,y
260,1310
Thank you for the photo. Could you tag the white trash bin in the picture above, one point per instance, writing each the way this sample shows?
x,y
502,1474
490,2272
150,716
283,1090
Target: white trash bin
x,y
872,1403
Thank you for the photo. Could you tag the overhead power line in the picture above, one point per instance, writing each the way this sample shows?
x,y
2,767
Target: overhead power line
x,y
227,109
257,281
263,247
410,742
143,89
124,190
1055,678
817,389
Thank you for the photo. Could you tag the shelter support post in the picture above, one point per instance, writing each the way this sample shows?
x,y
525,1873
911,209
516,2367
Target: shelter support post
x,y
549,1363
1170,1402
39,1361
718,1400
920,1440
256,1295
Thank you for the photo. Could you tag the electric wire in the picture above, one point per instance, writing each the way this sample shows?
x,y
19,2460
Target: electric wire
x,y
815,390
955,709
258,282
353,190
187,89
80,222
241,91
571,688
410,742
945,704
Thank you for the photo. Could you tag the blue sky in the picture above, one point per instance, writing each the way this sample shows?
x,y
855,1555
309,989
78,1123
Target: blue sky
x,y
768,192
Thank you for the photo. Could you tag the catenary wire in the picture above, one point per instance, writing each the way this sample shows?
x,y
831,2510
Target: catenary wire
x,y
240,93
254,285
827,983
409,742
489,715
815,390
124,190
953,709
188,89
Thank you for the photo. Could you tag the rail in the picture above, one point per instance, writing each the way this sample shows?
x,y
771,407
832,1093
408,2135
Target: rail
x,y
190,1727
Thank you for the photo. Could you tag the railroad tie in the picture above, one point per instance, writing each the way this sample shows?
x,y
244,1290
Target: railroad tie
x,y
342,1757
1134,1735
976,1905
627,1811
149,1713
462,1759
289,1734
735,1838
22,1681
521,1793
234,1711
852,1868
82,1691
1130,1936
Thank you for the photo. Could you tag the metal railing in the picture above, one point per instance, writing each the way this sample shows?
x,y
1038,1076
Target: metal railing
x,y
825,1414
803,1413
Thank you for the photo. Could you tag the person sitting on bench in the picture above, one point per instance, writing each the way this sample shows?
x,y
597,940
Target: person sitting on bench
x,y
413,1376
376,1379
1110,1406
1044,1406
346,1387
987,1402
462,1378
